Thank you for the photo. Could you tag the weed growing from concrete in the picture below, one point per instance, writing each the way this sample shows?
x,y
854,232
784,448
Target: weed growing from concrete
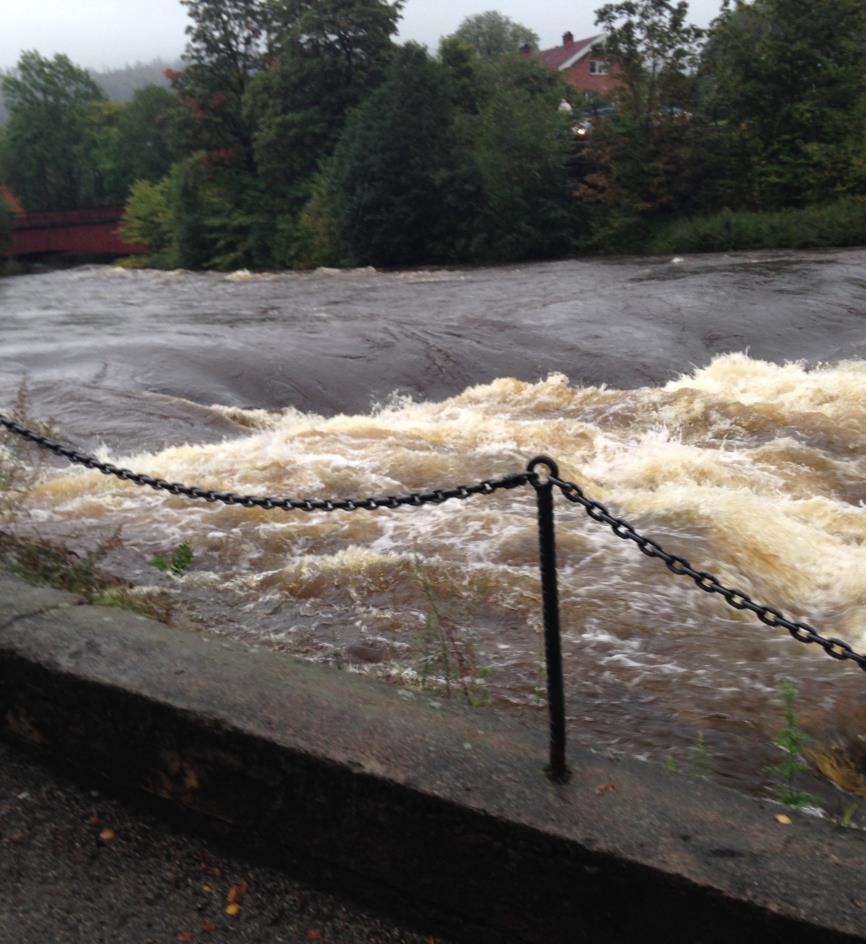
x,y
697,763
793,741
179,562
19,469
41,561
698,758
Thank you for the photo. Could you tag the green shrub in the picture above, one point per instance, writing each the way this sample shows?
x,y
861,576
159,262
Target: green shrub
x,y
826,225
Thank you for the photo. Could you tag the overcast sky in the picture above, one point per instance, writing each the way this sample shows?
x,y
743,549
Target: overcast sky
x,y
109,33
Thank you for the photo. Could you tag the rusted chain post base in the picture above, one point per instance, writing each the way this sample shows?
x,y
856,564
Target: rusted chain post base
x,y
557,769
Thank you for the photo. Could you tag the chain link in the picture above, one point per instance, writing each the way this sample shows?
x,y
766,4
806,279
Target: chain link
x,y
431,497
738,599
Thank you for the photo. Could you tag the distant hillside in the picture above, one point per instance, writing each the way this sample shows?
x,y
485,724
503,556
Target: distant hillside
x,y
119,84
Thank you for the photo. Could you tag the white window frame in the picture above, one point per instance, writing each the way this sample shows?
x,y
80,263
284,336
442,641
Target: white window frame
x,y
599,67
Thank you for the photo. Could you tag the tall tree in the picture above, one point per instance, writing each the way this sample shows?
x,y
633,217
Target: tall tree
x,y
327,56
391,166
786,81
226,45
519,145
148,135
493,34
643,154
48,152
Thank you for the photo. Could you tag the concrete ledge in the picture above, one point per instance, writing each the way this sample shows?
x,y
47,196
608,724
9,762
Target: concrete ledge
x,y
442,807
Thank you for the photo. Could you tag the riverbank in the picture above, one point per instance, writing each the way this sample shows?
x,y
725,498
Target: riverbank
x,y
834,225
444,808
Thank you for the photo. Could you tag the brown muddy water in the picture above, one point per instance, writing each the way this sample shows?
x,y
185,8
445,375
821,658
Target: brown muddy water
x,y
717,402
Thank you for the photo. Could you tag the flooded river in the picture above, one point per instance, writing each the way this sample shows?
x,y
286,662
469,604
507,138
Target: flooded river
x,y
717,402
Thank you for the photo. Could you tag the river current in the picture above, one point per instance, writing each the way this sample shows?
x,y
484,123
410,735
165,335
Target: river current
x,y
717,402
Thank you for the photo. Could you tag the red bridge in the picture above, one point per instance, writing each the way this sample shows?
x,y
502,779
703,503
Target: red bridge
x,y
70,233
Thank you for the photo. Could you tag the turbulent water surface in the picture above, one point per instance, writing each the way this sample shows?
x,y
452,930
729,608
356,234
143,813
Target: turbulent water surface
x,y
717,402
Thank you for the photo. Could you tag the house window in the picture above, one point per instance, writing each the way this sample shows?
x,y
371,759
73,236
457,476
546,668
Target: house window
x,y
598,67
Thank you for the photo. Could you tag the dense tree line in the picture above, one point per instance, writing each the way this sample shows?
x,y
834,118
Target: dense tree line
x,y
297,132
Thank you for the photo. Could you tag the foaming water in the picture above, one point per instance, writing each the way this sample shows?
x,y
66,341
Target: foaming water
x,y
752,470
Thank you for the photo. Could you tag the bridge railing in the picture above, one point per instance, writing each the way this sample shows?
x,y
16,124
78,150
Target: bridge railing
x,y
44,219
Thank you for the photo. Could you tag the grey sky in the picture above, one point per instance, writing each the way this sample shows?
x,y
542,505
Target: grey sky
x,y
110,33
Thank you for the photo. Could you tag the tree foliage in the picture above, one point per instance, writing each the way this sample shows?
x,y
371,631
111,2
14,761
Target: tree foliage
x,y
148,135
518,145
644,169
327,57
787,80
299,133
49,140
493,34
389,169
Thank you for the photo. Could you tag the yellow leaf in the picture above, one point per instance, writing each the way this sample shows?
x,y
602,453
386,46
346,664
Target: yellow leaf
x,y
784,820
107,835
233,909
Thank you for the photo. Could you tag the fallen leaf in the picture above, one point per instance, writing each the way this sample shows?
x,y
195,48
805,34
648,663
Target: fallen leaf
x,y
207,888
233,909
94,820
314,935
237,891
108,835
208,926
784,820
185,937
603,788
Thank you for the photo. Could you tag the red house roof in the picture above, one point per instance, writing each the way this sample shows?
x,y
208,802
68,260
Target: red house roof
x,y
11,200
561,57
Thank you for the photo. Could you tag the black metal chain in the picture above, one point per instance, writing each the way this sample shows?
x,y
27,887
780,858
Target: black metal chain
x,y
738,599
434,496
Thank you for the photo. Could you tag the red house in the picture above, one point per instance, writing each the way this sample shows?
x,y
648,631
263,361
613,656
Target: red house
x,y
586,70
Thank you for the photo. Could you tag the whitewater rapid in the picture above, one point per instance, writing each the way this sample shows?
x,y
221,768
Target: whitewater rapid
x,y
717,404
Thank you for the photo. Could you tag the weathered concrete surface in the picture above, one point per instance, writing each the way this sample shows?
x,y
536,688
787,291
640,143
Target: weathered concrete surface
x,y
442,807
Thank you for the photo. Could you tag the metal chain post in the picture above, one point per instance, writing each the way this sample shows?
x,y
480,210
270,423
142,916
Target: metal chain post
x,y
557,769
